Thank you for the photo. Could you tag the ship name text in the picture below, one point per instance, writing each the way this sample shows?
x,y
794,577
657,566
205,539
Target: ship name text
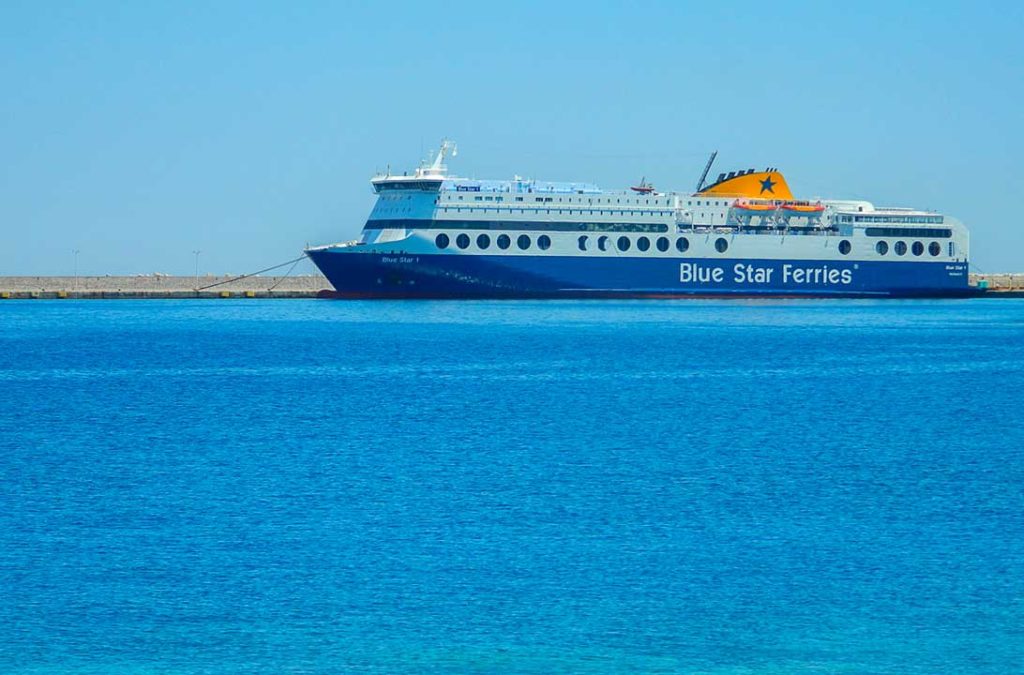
x,y
743,273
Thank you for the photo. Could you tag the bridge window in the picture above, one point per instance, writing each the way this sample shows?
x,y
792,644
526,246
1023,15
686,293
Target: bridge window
x,y
503,241
682,244
462,240
934,249
544,242
844,247
917,248
483,241
721,245
643,243
882,248
523,242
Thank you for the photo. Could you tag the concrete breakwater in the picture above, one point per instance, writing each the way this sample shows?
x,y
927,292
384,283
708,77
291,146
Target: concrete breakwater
x,y
163,286
298,286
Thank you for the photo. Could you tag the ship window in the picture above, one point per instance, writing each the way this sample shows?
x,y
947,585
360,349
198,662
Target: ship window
x,y
442,240
662,244
623,243
583,243
483,241
643,243
523,242
544,242
602,243
503,241
917,248
934,249
882,248
682,244
900,248
721,245
462,240
844,247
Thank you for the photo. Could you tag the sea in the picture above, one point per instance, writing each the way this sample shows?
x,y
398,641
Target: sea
x,y
317,486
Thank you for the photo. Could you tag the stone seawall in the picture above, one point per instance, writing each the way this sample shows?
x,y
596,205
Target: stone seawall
x,y
162,286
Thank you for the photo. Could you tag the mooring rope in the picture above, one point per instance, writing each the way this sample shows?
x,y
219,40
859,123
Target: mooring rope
x,y
252,274
286,275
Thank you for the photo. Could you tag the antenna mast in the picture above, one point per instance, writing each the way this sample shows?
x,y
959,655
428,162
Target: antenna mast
x,y
707,167
437,167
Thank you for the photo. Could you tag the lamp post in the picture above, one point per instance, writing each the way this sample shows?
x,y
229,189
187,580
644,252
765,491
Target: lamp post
x,y
75,252
196,253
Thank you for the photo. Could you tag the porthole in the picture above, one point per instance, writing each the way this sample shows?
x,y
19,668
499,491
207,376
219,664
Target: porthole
x,y
721,245
844,247
662,244
442,240
583,243
503,241
643,243
462,241
900,248
483,241
917,248
523,242
682,244
544,242
623,243
882,248
934,249
602,242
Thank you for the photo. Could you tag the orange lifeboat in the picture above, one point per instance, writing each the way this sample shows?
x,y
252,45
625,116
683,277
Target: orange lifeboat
x,y
753,208
802,209
644,187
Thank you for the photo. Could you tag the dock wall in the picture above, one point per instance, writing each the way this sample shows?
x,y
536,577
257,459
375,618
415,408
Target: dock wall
x,y
162,286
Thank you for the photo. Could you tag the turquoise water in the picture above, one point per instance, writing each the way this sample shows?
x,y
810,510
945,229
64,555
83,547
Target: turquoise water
x,y
713,487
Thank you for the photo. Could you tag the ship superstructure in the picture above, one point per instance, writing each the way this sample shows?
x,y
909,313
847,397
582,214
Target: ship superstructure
x,y
432,235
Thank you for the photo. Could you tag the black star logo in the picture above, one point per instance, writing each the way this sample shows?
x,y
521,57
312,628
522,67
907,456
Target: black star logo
x,y
767,185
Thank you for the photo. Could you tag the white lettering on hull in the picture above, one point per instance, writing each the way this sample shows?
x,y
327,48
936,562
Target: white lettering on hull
x,y
752,275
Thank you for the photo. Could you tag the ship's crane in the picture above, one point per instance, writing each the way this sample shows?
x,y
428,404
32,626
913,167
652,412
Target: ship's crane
x,y
707,168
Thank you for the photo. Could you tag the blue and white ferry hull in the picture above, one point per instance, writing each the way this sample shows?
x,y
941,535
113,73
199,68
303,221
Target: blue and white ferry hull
x,y
431,235
424,275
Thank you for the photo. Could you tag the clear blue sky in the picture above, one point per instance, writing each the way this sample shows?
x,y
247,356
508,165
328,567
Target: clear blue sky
x,y
137,132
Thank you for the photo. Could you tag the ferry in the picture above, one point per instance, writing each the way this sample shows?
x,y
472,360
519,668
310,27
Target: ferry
x,y
435,235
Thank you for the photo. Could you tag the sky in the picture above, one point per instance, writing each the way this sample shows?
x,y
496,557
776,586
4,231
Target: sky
x,y
137,133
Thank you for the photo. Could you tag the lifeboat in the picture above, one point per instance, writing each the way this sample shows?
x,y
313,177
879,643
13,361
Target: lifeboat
x,y
644,187
753,208
801,209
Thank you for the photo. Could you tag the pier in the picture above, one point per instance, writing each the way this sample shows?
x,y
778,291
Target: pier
x,y
161,286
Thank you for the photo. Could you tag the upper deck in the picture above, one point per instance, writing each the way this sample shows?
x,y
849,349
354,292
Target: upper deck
x,y
748,201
